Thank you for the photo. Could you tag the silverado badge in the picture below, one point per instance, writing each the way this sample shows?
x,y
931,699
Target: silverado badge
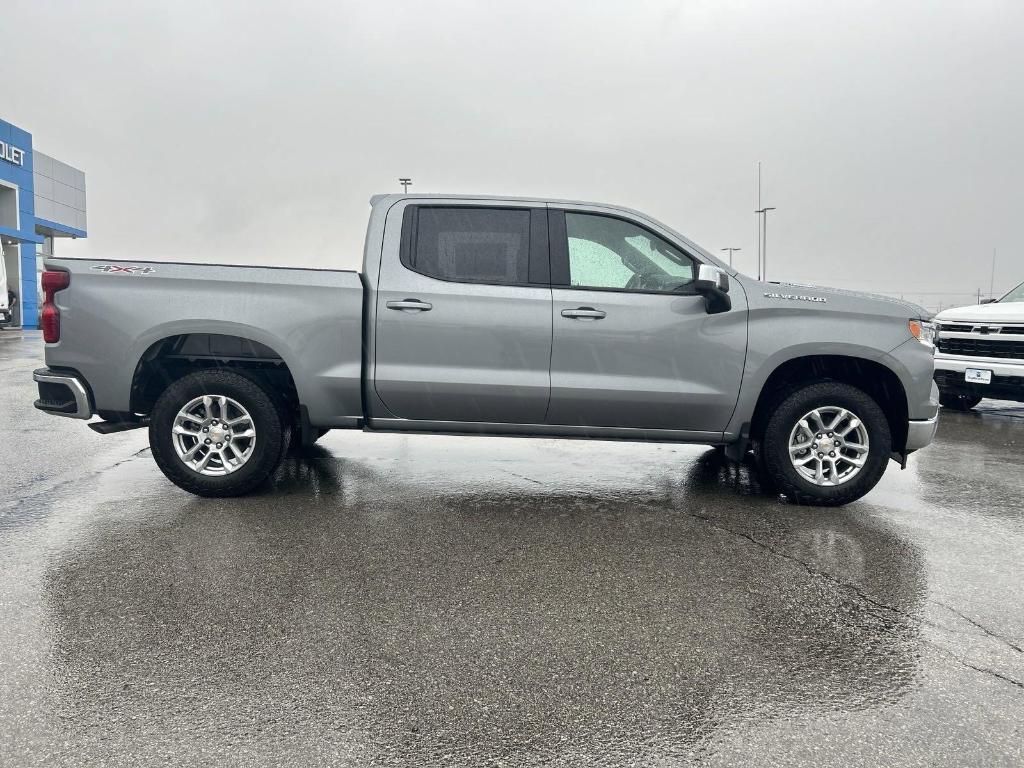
x,y
796,297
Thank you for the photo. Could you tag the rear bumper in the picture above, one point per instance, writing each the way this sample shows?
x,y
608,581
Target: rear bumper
x,y
62,393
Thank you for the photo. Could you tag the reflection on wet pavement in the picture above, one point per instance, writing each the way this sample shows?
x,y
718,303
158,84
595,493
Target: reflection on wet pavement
x,y
458,601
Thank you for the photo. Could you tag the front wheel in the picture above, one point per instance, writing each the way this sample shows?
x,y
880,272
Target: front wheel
x,y
217,433
826,444
957,401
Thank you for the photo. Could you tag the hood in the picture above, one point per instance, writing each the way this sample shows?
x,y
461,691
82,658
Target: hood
x,y
1010,311
909,308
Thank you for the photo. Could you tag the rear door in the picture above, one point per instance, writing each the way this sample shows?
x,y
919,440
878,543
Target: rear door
x,y
631,347
463,328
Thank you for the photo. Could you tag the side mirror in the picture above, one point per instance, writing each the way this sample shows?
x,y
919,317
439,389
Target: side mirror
x,y
713,284
989,301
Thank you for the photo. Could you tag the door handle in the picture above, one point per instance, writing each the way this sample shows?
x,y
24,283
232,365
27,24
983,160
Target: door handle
x,y
410,304
583,313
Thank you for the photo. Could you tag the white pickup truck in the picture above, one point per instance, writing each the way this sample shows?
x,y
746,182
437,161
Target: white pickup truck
x,y
6,313
981,352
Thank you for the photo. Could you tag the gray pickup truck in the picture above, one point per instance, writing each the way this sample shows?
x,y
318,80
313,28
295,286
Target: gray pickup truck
x,y
496,316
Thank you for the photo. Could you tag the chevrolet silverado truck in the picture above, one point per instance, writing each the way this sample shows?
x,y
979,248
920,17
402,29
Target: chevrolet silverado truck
x,y
981,352
478,315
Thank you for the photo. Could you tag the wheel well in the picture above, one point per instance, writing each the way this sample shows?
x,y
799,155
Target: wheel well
x,y
169,359
875,379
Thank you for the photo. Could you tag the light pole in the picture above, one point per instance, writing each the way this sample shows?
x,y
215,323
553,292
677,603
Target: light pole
x,y
730,250
757,234
763,266
992,278
405,185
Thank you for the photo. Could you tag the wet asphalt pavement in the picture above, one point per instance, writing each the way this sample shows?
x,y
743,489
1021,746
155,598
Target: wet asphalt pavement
x,y
471,601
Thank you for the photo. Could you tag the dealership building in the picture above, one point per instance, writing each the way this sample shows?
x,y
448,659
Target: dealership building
x,y
41,201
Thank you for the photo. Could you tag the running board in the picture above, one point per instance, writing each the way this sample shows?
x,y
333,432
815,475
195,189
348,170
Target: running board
x,y
110,427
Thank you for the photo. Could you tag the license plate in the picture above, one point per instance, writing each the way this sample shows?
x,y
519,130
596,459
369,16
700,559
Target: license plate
x,y
978,376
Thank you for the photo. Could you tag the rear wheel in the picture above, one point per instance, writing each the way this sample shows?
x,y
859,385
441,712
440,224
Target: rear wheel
x,y
217,433
958,401
826,444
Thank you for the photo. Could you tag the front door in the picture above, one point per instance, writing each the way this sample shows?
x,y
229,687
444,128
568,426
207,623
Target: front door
x,y
463,330
631,348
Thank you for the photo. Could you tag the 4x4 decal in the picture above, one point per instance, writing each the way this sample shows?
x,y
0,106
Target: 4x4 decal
x,y
120,269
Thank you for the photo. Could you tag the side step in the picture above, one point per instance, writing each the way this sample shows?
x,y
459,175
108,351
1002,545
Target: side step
x,y
110,427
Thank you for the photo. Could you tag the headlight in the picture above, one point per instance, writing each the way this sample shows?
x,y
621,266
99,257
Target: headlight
x,y
923,331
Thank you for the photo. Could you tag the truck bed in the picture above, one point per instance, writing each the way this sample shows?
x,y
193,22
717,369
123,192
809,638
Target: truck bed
x,y
114,312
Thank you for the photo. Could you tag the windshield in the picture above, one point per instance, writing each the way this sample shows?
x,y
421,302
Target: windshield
x,y
1017,294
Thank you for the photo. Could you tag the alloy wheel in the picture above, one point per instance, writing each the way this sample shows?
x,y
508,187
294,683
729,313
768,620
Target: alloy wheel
x,y
214,435
829,446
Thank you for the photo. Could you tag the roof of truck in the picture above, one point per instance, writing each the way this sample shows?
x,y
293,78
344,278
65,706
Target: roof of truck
x,y
395,197
388,200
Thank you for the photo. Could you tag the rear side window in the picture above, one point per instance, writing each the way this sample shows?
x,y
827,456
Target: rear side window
x,y
476,245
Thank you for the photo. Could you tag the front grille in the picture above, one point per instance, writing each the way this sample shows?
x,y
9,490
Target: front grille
x,y
965,328
982,347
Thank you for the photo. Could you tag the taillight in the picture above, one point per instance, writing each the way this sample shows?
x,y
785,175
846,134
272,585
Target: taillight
x,y
49,318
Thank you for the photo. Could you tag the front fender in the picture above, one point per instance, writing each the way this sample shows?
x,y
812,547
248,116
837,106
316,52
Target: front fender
x,y
761,366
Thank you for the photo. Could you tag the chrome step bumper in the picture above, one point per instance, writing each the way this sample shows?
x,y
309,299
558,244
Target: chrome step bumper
x,y
62,394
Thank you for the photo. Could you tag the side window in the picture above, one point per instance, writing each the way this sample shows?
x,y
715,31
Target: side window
x,y
606,252
593,265
479,245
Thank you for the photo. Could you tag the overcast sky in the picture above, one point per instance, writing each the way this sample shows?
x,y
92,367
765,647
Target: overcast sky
x,y
891,133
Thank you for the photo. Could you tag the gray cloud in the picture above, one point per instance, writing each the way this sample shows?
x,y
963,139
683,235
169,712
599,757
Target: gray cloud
x,y
256,132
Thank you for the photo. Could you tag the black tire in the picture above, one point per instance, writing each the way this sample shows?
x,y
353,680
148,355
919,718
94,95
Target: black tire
x,y
774,448
958,401
272,432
